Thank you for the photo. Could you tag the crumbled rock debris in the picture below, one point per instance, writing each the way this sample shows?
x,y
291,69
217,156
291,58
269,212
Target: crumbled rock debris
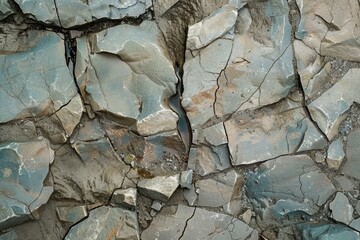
x,y
179,119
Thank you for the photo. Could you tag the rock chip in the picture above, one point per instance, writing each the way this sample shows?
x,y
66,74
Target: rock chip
x,y
351,166
126,198
160,187
72,214
186,178
31,86
331,108
106,223
24,167
335,154
341,209
287,185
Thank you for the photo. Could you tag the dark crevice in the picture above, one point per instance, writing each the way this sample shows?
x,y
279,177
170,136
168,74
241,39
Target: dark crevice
x,y
186,224
57,13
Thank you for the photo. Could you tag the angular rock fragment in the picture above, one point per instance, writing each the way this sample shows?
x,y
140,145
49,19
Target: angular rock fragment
x,y
125,198
106,223
190,195
31,86
273,132
24,167
335,154
186,179
287,186
5,10
341,209
128,75
310,231
330,109
352,166
160,187
188,223
72,214
205,160
65,13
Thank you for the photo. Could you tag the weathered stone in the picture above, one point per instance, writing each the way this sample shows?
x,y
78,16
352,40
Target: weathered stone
x,y
341,209
351,166
30,86
287,185
355,224
93,176
215,226
335,154
89,130
214,135
220,190
214,26
330,109
160,187
68,14
310,231
5,10
156,206
186,179
70,114
190,195
267,136
330,27
126,198
71,214
11,235
205,160
24,167
162,6
259,70
138,95
106,223
345,183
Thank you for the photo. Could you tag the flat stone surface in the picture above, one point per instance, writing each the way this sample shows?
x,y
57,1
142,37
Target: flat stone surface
x,y
335,154
24,167
106,223
68,13
341,209
351,165
30,86
287,185
159,188
330,109
126,198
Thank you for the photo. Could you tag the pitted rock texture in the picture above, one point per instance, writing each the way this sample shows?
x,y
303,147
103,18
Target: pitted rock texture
x,y
179,119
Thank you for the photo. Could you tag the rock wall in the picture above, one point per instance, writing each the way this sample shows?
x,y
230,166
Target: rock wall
x,y
179,119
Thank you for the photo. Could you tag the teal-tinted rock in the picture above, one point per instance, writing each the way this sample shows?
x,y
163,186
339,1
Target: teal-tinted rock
x,y
352,166
30,85
324,231
24,167
71,214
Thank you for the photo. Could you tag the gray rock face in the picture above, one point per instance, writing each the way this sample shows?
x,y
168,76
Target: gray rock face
x,y
311,231
330,109
335,154
215,226
287,185
159,188
341,210
106,223
31,86
138,96
351,166
24,167
68,14
5,10
264,137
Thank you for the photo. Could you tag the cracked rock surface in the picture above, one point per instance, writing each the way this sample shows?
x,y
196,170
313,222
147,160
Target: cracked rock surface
x,y
179,119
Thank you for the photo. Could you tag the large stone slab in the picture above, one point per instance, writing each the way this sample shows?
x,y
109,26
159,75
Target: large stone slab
x,y
287,186
106,223
30,84
351,166
128,75
24,167
70,13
